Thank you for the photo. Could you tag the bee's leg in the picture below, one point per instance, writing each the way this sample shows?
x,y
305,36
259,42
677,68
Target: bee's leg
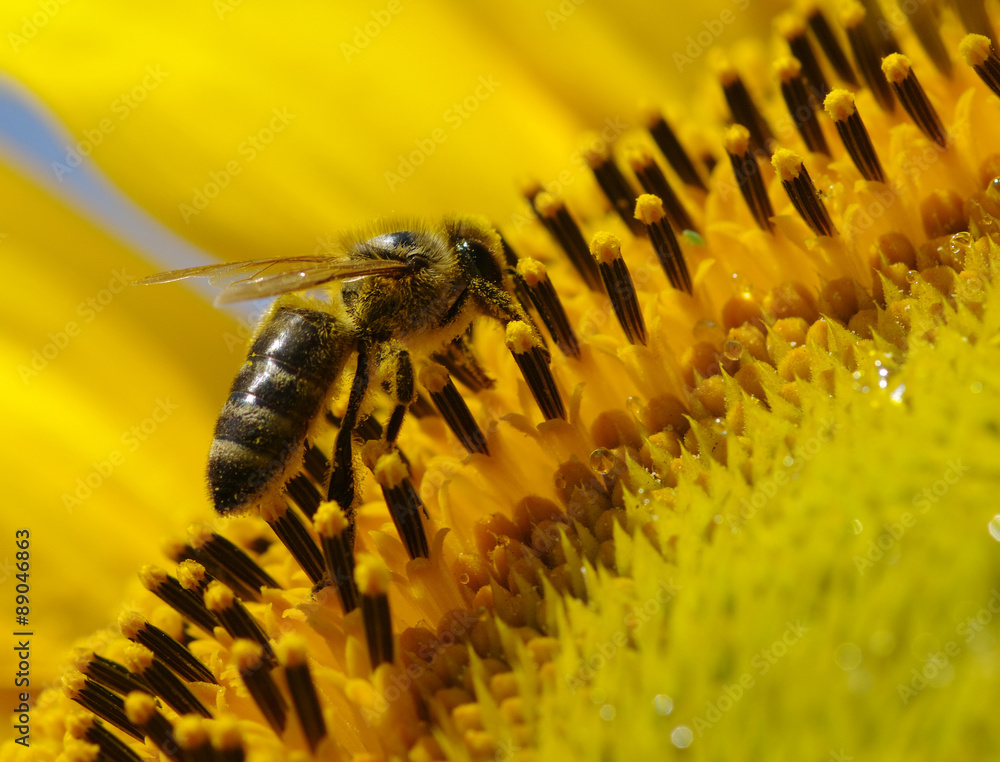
x,y
341,485
525,344
392,473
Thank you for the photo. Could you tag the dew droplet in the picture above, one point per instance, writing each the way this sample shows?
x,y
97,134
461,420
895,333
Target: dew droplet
x,y
608,712
635,406
463,578
994,527
602,460
848,656
681,737
976,387
732,349
663,704
857,526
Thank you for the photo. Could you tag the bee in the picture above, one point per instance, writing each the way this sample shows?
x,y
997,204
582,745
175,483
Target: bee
x,y
396,293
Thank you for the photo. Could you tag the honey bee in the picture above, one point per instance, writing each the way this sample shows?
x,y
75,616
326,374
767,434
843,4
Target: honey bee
x,y
396,293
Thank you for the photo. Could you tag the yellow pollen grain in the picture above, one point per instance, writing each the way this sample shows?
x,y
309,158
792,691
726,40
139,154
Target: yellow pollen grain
x,y
724,69
152,576
291,651
130,622
547,204
839,105
77,725
80,751
247,654
737,140
605,247
975,49
139,708
74,682
434,378
519,338
190,574
226,734
137,658
218,597
896,68
787,68
787,164
789,25
199,535
372,575
390,471
649,209
852,14
330,520
532,271
638,158
190,732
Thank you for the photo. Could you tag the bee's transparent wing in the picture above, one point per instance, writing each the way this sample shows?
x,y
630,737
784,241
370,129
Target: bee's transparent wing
x,y
243,281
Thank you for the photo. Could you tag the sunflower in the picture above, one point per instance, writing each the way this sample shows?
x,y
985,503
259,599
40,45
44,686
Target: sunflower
x,y
759,526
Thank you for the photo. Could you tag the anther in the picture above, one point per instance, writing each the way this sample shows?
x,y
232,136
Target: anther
x,y
185,602
831,47
141,711
974,17
533,362
840,106
228,563
792,28
373,577
295,537
801,191
925,24
543,295
108,673
563,227
192,736
167,650
99,700
403,502
671,148
612,182
606,249
743,108
88,728
746,170
793,90
977,51
899,73
464,366
653,181
254,666
292,656
867,52
453,408
227,740
331,525
235,618
163,684
649,210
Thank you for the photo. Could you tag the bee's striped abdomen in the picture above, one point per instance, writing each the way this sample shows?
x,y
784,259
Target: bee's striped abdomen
x,y
290,368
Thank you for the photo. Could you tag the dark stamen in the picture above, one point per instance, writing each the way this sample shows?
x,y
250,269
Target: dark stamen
x,y
100,701
867,52
746,170
108,673
88,728
974,17
831,47
464,366
653,181
331,525
793,90
672,149
550,309
227,740
613,183
899,73
254,666
167,650
743,108
229,563
372,577
304,493
292,656
800,189
840,106
192,736
292,532
649,210
164,684
792,28
926,26
606,249
533,362
235,618
977,51
453,408
563,227
141,711
185,602
403,502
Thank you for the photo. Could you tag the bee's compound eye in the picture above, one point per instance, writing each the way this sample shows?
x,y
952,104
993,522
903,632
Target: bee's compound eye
x,y
483,259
